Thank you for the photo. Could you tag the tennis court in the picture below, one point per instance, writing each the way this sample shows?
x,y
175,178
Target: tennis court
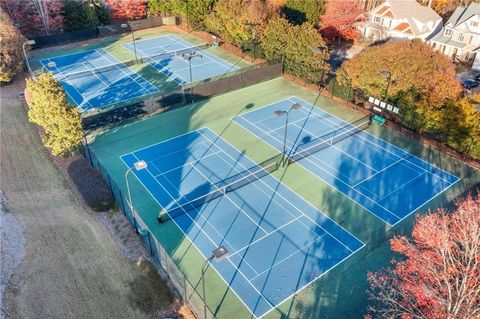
x,y
95,79
165,53
278,243
384,179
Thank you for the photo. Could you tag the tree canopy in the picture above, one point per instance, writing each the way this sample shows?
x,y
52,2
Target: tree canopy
x,y
11,55
300,11
338,20
127,9
302,48
195,11
229,19
48,107
421,80
438,273
413,65
82,15
35,17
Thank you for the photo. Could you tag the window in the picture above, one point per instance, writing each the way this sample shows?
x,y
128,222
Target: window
x,y
467,56
460,37
376,19
474,24
448,32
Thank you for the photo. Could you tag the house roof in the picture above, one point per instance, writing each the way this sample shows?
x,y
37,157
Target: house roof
x,y
462,14
402,27
439,37
404,9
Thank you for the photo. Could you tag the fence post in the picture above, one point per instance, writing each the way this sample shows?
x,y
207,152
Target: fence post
x,y
165,257
348,93
185,289
122,203
150,244
333,87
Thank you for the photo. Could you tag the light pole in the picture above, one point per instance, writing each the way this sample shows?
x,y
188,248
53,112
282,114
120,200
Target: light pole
x,y
218,254
125,26
252,25
50,64
189,56
29,42
318,51
279,113
387,76
138,166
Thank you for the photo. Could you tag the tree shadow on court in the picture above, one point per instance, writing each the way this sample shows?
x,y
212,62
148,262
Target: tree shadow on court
x,y
341,293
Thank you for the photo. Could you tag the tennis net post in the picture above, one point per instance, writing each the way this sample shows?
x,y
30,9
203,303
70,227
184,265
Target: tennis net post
x,y
228,185
330,139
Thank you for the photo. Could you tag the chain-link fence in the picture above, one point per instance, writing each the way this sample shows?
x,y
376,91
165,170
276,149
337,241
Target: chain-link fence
x,y
183,286
114,28
121,114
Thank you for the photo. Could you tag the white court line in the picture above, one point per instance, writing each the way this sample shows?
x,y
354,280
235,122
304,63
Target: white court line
x,y
318,109
281,196
238,251
162,173
260,294
308,204
233,202
187,45
95,75
65,78
375,145
381,147
325,181
402,186
335,147
165,70
381,171
131,76
224,238
217,60
98,51
290,255
201,253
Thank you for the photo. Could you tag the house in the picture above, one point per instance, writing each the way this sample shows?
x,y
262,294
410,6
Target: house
x,y
400,19
460,37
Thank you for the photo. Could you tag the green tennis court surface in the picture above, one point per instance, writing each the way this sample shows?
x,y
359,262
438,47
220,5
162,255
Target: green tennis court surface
x,y
329,296
382,178
277,242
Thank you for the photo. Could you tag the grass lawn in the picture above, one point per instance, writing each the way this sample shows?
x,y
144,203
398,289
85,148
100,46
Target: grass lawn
x,y
71,266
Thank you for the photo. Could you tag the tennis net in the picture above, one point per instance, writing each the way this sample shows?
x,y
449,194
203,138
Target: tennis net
x,y
228,185
166,55
329,139
89,72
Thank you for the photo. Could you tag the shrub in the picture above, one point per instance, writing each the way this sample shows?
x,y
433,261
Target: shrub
x,y
48,107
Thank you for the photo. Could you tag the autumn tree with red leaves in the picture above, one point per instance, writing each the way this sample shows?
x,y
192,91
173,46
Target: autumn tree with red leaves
x,y
338,20
127,9
439,273
35,17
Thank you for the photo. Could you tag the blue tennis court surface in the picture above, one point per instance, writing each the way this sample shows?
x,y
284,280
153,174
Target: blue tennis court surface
x,y
278,243
90,88
176,67
384,179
